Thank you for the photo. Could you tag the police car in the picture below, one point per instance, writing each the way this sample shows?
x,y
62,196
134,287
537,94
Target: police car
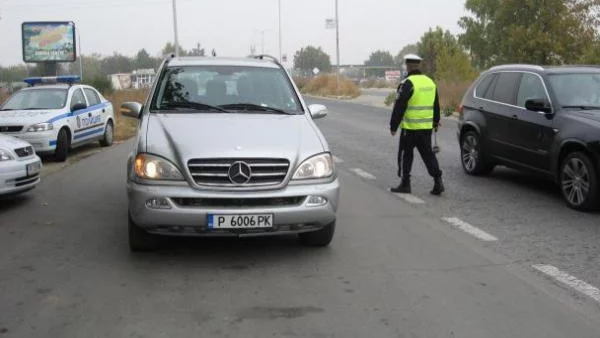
x,y
54,114
19,166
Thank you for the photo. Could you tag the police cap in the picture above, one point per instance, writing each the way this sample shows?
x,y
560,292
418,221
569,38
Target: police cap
x,y
412,58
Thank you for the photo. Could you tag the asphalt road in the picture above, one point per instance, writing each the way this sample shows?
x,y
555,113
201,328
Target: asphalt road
x,y
394,269
377,92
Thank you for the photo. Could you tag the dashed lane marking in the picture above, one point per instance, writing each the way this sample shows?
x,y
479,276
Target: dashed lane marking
x,y
409,198
363,174
563,277
468,228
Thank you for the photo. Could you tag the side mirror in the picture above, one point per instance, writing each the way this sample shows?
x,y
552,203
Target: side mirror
x,y
131,109
538,105
78,106
317,111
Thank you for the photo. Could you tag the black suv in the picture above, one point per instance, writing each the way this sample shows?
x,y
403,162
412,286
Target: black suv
x,y
544,120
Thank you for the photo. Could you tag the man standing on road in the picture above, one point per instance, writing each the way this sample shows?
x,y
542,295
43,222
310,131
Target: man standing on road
x,y
417,112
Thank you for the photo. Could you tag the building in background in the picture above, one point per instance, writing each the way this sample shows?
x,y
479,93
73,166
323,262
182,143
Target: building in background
x,y
139,78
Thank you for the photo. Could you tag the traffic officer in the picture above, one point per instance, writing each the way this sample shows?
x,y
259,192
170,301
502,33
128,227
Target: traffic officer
x,y
417,113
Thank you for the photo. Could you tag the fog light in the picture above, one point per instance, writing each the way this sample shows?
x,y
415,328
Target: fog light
x,y
316,201
158,203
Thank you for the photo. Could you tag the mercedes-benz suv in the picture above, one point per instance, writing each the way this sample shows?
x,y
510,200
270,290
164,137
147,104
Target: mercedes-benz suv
x,y
544,120
228,147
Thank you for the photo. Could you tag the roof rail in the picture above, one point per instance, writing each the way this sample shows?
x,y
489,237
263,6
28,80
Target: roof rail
x,y
518,65
266,56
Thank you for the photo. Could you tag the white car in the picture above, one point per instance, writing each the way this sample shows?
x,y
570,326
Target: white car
x,y
19,166
55,115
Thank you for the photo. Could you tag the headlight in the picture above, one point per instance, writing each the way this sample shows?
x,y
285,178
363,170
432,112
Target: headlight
x,y
319,166
152,167
5,155
41,127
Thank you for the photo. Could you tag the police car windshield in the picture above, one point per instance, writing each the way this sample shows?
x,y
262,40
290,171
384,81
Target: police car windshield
x,y
246,89
43,98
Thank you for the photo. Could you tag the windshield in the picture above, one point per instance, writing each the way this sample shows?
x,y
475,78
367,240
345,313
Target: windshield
x,y
37,99
235,88
574,90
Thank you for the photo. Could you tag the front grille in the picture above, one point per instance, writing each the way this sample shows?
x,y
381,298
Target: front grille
x,y
19,182
239,202
215,172
24,152
10,129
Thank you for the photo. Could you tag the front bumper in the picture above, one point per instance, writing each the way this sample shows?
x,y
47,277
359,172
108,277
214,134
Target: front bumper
x,y
42,142
14,178
189,209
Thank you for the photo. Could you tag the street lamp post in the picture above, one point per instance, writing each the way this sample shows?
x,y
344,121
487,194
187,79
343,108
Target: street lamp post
x,y
175,27
337,46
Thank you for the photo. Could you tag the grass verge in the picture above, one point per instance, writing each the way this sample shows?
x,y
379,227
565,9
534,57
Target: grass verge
x,y
125,126
325,85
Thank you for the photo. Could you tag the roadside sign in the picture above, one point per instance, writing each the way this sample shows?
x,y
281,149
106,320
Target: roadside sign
x,y
316,71
329,23
49,41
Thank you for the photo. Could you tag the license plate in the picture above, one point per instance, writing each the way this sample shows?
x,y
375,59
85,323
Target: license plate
x,y
240,221
34,168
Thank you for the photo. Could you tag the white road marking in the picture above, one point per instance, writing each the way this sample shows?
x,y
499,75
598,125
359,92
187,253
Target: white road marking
x,y
337,159
410,198
468,228
363,174
563,277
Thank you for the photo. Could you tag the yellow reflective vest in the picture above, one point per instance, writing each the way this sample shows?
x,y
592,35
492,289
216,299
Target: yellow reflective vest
x,y
419,111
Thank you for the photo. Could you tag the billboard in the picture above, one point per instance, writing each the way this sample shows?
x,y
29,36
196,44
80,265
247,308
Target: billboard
x,y
393,75
49,41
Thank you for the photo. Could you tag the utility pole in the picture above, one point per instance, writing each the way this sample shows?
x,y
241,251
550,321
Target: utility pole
x,y
280,55
175,27
337,47
80,56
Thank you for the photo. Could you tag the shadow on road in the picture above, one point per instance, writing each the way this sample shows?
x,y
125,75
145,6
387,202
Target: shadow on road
x,y
13,201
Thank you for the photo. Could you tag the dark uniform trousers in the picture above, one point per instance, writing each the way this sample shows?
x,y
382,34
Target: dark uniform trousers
x,y
421,139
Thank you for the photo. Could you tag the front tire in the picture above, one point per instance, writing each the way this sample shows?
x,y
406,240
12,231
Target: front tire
x,y
140,240
319,238
109,135
472,158
579,182
62,146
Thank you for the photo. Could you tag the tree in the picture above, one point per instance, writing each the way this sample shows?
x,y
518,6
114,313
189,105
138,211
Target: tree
x,y
408,49
116,63
529,31
432,43
169,48
144,60
379,59
308,58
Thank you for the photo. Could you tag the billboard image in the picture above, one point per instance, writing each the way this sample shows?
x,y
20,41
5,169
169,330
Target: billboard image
x,y
49,42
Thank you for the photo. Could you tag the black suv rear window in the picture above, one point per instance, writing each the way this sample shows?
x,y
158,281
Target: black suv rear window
x,y
505,89
483,88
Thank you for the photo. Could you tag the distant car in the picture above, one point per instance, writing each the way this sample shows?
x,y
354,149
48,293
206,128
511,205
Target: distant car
x,y
19,166
544,120
55,115
241,158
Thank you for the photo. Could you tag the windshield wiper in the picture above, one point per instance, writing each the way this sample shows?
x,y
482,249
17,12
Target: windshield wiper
x,y
583,107
252,106
195,105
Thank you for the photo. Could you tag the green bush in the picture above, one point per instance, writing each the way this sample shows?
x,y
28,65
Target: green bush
x,y
102,83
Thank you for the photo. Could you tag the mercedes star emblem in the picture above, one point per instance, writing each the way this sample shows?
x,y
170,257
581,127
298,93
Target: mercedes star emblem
x,y
239,173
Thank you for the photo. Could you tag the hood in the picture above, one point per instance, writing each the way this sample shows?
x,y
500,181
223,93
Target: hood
x,y
26,117
586,116
181,137
11,143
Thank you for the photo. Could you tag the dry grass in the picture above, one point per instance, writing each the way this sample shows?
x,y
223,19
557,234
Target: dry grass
x,y
325,85
125,126
3,97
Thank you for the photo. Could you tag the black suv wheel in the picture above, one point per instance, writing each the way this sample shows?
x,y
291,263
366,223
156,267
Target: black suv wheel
x,y
472,157
579,182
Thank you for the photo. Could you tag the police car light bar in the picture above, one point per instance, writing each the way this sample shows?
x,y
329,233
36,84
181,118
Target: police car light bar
x,y
69,79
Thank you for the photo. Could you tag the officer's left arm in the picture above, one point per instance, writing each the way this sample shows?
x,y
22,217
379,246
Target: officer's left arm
x,y
402,97
436,111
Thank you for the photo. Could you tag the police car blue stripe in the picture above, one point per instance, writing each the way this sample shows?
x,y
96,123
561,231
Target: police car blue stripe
x,y
79,112
91,132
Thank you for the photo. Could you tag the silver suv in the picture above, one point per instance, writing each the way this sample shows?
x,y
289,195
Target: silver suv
x,y
228,147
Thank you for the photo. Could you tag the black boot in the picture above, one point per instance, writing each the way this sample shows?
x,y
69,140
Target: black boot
x,y
438,186
403,188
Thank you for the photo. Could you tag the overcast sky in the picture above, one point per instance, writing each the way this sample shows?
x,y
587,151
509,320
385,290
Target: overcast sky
x,y
231,26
